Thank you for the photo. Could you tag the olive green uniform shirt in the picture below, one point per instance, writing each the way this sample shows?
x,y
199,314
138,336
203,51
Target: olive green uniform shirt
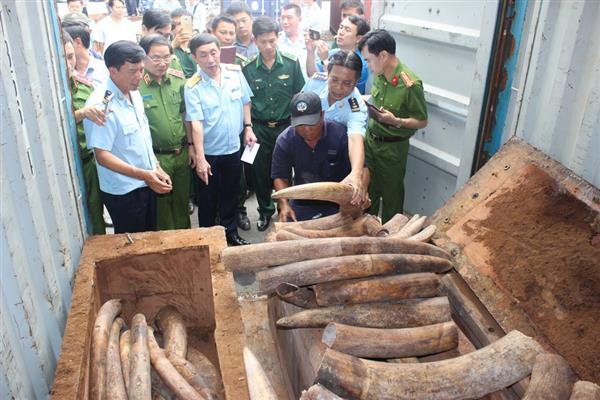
x,y
187,63
164,105
273,88
403,96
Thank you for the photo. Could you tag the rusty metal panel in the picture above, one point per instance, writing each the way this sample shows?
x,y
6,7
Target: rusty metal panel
x,y
42,216
556,94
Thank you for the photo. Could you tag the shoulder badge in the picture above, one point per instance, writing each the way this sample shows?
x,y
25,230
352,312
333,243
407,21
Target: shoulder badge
x,y
232,67
80,79
406,79
193,80
176,72
354,107
320,76
147,79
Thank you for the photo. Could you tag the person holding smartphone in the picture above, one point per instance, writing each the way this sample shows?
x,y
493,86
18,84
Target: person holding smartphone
x,y
397,94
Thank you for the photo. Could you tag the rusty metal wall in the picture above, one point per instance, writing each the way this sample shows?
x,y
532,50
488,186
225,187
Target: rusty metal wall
x,y
555,104
43,227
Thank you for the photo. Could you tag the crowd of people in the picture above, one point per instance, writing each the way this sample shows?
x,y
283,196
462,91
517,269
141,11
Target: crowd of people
x,y
164,113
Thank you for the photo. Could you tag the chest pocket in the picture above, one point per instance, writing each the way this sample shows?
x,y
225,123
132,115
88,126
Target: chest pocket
x,y
259,86
283,85
376,96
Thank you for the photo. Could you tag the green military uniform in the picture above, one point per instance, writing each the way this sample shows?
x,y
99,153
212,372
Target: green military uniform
x,y
164,105
273,90
188,66
81,89
386,147
241,208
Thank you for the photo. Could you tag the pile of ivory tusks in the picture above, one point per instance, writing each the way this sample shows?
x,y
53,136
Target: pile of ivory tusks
x,y
130,364
377,297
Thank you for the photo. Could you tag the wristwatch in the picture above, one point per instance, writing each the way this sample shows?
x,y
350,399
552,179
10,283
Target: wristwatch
x,y
399,124
248,125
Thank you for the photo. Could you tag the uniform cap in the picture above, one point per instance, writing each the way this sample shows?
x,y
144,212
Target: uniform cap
x,y
305,109
77,17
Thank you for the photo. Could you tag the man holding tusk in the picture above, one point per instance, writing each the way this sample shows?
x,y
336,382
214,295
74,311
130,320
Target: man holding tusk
x,y
316,150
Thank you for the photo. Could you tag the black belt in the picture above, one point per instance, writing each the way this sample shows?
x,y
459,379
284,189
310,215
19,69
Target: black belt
x,y
387,139
272,124
176,151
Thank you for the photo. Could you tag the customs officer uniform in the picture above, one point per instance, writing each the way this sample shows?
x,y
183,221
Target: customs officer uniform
x,y
350,111
129,201
386,146
273,90
81,89
220,108
164,105
327,162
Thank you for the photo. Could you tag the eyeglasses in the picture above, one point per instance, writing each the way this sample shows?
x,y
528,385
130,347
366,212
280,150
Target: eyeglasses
x,y
164,60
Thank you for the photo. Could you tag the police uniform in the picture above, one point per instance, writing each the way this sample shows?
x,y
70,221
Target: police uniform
x,y
273,90
125,134
386,147
220,108
350,111
328,161
81,89
164,105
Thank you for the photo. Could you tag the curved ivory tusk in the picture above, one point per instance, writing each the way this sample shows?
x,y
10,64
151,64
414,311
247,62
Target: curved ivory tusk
x,y
425,235
259,386
472,376
354,228
412,227
329,269
262,255
334,192
391,343
318,392
378,288
584,390
402,314
551,378
285,234
396,223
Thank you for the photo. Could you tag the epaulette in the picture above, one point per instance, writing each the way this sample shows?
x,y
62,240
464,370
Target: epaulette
x,y
193,80
147,79
232,67
354,107
242,57
320,76
80,79
241,60
176,72
406,79
289,55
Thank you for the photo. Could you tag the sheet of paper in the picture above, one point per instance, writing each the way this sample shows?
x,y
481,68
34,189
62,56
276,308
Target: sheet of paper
x,y
249,154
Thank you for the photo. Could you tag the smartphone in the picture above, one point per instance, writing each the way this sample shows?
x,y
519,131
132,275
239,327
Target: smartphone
x,y
228,54
314,34
374,111
186,24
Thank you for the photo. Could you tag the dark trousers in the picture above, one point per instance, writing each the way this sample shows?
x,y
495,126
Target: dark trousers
x,y
132,212
221,193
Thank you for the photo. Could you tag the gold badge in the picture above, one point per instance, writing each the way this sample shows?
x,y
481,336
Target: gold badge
x,y
284,76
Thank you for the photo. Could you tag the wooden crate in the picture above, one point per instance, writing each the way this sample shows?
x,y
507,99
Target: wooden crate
x,y
180,268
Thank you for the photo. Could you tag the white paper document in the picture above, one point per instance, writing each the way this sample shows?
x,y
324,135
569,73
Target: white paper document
x,y
249,154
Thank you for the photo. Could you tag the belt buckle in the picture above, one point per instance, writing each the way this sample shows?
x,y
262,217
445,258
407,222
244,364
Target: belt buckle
x,y
177,151
272,124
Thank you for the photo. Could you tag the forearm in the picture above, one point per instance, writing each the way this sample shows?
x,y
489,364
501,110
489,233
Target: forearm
x,y
280,184
247,113
310,63
79,115
356,153
112,162
410,123
198,138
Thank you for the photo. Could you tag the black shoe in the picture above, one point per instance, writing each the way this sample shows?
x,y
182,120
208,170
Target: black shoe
x,y
242,221
263,222
233,239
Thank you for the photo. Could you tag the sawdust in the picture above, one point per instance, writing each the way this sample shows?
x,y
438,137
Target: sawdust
x,y
544,251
